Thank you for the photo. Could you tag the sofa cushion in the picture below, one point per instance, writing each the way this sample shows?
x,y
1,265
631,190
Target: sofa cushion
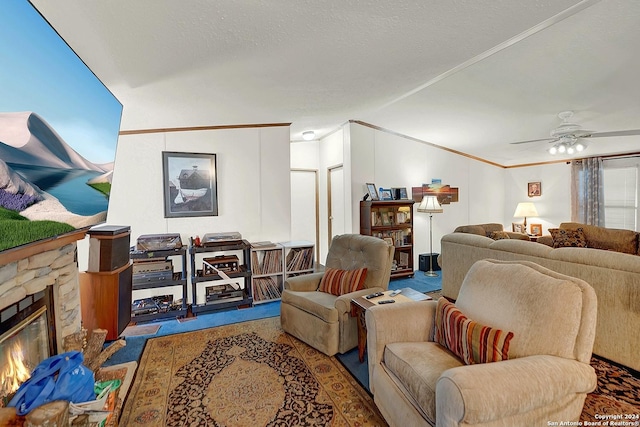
x,y
469,340
498,235
471,229
319,304
416,367
340,282
568,238
625,241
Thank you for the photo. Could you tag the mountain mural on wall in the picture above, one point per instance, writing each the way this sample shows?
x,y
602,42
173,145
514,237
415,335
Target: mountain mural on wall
x,y
35,161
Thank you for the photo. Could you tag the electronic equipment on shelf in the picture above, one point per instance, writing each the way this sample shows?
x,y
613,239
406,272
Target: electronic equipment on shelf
x,y
213,239
153,276
159,242
225,263
152,266
223,293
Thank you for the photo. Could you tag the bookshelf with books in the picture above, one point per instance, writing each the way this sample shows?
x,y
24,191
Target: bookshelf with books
x,y
267,268
392,221
299,258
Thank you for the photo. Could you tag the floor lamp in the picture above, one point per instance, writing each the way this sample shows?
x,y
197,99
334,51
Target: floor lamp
x,y
430,205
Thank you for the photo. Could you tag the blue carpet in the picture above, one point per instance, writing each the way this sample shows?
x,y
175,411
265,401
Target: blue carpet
x,y
135,345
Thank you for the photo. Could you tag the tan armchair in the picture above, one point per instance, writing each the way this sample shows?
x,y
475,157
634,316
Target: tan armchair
x,y
321,319
416,381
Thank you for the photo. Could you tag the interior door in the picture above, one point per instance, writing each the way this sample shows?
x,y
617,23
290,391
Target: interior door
x,y
305,207
336,201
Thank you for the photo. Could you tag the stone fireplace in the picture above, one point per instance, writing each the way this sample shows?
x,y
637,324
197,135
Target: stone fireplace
x,y
39,302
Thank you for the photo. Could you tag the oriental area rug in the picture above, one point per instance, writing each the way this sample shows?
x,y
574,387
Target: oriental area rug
x,y
244,374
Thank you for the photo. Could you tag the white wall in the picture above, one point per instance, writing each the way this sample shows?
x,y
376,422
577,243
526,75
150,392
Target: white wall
x,y
390,160
553,205
252,179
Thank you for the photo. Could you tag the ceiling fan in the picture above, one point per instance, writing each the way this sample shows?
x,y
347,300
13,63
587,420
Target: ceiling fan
x,y
567,138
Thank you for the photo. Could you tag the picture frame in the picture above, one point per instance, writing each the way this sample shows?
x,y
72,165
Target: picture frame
x,y
534,189
399,193
371,190
518,228
385,194
536,229
189,184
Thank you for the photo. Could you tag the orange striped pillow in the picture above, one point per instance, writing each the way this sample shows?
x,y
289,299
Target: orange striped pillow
x,y
469,340
340,282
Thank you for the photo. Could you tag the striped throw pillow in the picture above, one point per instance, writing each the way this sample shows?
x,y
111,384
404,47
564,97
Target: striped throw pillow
x,y
469,340
340,282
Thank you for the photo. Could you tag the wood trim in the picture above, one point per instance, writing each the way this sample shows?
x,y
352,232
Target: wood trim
x,y
30,249
460,153
199,128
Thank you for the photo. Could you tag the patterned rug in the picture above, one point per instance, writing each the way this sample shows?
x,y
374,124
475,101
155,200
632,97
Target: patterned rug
x,y
245,374
617,393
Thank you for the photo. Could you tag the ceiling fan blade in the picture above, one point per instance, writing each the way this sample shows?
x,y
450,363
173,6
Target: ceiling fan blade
x,y
629,132
535,140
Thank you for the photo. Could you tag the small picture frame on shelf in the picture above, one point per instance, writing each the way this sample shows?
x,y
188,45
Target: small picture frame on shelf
x,y
536,229
518,228
371,189
399,193
534,189
385,194
389,240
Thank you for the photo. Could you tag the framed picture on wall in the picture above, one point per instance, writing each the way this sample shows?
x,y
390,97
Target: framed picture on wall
x,y
534,189
189,184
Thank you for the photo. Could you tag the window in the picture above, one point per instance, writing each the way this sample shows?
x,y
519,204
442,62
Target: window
x,y
621,188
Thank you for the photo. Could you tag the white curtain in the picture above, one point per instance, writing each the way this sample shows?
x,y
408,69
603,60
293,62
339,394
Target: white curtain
x,y
587,200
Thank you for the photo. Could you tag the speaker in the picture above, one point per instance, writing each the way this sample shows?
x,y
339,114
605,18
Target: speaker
x,y
423,261
108,247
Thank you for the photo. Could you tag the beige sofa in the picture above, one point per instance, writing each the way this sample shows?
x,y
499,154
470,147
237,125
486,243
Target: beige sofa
x,y
416,381
614,275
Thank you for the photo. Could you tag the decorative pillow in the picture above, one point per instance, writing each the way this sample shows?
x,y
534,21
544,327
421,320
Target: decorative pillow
x,y
568,238
499,235
340,282
469,340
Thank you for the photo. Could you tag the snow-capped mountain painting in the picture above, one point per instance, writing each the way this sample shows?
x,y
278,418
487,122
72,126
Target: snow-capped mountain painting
x,y
58,128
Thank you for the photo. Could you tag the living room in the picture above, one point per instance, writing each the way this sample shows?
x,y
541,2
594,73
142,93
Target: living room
x,y
391,140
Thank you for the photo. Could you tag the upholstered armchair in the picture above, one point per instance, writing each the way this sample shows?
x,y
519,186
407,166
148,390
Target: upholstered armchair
x,y
315,308
514,350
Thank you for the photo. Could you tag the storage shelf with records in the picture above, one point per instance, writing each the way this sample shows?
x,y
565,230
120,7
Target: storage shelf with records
x,y
298,258
391,220
224,280
156,281
267,271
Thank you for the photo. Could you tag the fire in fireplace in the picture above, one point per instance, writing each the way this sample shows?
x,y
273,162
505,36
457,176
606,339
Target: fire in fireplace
x,y
25,341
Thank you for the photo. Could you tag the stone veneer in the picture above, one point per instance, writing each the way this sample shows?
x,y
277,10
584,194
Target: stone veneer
x,y
57,267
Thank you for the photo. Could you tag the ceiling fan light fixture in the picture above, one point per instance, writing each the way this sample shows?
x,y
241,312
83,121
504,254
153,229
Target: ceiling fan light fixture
x,y
562,148
580,147
553,150
571,149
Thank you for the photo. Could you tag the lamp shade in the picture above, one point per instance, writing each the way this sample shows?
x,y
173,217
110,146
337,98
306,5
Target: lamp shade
x,y
429,204
525,209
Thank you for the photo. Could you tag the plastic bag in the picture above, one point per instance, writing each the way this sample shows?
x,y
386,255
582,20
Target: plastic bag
x,y
60,377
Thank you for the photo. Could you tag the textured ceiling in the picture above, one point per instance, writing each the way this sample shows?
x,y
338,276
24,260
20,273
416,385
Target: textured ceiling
x,y
471,76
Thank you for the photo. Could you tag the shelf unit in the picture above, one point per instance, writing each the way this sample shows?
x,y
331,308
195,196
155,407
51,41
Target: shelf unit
x,y
178,278
267,271
298,258
391,220
241,248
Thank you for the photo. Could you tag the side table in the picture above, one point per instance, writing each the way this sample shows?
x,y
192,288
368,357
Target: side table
x,y
360,305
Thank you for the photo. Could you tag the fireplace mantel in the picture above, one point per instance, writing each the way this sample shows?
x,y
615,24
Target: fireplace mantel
x,y
25,251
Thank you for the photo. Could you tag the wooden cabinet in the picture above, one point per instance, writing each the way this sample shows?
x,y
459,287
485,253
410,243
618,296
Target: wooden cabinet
x,y
105,300
391,220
